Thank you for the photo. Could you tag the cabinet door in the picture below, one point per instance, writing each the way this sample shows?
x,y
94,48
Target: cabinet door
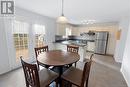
x,y
59,46
91,46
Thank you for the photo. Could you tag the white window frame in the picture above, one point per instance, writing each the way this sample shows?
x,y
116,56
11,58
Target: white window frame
x,y
68,31
41,31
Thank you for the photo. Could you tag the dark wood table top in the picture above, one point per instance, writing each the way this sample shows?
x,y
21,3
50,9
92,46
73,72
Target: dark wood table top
x,y
58,58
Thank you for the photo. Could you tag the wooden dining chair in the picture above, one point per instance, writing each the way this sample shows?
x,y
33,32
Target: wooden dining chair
x,y
35,78
39,50
73,49
76,76
91,56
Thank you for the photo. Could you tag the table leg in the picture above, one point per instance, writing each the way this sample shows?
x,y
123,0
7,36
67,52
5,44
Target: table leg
x,y
70,65
46,66
60,73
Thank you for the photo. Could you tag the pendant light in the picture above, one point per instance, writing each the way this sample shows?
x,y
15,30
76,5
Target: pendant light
x,y
62,18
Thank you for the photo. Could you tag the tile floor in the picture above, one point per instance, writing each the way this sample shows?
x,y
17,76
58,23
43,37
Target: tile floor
x,y
105,72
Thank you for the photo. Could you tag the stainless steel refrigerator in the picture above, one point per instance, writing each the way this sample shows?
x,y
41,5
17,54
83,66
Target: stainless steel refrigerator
x,y
101,40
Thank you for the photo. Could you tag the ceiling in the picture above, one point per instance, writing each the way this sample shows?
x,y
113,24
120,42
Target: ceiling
x,y
79,10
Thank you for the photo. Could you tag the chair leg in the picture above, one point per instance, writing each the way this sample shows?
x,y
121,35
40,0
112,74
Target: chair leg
x,y
38,66
63,82
46,66
47,86
86,85
75,64
56,82
27,85
66,83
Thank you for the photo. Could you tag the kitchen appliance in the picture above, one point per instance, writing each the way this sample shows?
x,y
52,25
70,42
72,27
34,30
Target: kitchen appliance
x,y
101,40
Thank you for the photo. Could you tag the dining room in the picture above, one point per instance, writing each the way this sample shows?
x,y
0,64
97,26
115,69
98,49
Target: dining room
x,y
64,43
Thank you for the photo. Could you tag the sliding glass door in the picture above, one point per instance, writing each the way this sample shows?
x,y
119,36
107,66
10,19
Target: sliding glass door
x,y
21,40
25,38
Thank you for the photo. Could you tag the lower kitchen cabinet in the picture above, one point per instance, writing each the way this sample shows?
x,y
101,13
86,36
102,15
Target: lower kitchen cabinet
x,y
82,50
91,46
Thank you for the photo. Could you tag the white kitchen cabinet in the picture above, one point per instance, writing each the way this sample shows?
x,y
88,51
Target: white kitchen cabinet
x,y
59,46
82,53
82,50
90,46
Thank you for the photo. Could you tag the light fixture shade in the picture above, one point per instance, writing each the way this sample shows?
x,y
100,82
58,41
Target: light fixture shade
x,y
62,19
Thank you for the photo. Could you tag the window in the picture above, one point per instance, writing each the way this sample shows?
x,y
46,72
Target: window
x,y
68,31
20,36
39,32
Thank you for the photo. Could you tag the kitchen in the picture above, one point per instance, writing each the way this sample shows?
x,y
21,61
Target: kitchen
x,y
90,38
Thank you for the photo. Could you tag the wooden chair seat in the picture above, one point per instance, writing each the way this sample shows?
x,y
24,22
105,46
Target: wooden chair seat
x,y
46,77
73,75
76,76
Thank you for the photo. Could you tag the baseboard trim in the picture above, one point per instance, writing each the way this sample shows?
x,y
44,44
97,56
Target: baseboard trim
x,y
110,55
118,60
122,72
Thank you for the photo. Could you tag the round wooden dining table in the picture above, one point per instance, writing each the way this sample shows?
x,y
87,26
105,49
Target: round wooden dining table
x,y
57,58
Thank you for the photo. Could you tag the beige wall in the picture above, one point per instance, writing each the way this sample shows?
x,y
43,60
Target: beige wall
x,y
110,27
120,44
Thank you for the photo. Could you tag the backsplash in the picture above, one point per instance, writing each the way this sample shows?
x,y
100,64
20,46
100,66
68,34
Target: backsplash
x,y
72,37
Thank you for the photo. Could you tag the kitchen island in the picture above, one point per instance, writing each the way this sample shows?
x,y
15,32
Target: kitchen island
x,y
62,45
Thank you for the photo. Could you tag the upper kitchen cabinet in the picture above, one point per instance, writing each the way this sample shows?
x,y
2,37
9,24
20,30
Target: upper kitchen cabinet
x,y
61,29
64,29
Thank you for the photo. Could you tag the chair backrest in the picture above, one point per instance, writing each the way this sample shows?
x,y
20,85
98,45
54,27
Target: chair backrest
x,y
73,49
91,56
31,74
86,71
40,49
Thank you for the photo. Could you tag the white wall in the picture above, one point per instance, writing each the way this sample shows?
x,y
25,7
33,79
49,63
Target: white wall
x,y
120,44
125,69
6,49
4,61
50,23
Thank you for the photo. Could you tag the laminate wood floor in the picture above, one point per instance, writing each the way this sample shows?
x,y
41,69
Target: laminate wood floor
x,y
105,72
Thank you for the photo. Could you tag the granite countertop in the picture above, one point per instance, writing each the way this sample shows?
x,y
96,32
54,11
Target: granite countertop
x,y
71,42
